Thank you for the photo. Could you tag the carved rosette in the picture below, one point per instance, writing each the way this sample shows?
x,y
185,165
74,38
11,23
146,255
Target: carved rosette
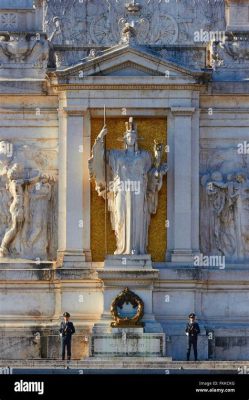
x,y
8,21
100,30
126,297
168,31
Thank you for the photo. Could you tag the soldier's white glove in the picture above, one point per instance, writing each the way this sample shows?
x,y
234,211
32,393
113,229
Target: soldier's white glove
x,y
187,333
60,334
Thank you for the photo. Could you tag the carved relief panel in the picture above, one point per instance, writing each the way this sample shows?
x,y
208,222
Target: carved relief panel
x,y
100,22
224,203
28,198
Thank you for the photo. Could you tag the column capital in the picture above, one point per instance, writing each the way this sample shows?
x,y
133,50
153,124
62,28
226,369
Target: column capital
x,y
75,111
182,111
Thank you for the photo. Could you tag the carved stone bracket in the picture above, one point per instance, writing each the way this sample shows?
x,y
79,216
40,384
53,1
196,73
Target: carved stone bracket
x,y
20,47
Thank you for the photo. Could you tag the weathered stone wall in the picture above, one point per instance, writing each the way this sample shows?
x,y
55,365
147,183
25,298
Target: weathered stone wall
x,y
60,63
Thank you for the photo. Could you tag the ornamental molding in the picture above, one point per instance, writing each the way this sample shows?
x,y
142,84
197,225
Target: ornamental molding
x,y
193,86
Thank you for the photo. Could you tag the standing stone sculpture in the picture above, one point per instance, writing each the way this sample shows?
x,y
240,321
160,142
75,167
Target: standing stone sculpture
x,y
26,200
132,184
16,186
216,193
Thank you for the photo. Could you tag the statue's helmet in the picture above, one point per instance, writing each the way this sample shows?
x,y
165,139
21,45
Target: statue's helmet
x,y
130,126
130,135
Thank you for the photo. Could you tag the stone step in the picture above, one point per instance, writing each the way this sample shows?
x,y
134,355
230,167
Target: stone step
x,y
125,363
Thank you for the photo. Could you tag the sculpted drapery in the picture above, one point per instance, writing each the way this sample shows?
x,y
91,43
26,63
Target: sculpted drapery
x,y
27,199
132,182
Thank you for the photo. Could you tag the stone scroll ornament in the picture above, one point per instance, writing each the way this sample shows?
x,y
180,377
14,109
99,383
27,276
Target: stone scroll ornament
x,y
127,297
24,48
132,182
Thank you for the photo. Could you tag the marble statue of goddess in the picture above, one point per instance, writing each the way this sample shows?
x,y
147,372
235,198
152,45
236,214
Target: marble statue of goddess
x,y
132,182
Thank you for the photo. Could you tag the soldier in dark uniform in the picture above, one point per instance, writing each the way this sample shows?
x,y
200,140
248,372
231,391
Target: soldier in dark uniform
x,y
192,331
66,331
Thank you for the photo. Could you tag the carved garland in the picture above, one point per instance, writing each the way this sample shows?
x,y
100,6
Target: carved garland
x,y
127,296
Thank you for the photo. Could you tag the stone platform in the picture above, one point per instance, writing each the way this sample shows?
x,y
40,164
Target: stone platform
x,y
128,342
128,261
124,365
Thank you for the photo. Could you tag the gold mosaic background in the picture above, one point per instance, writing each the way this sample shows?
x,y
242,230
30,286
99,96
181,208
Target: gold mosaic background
x,y
149,129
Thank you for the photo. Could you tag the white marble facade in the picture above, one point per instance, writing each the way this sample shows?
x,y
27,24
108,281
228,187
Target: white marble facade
x,y
60,62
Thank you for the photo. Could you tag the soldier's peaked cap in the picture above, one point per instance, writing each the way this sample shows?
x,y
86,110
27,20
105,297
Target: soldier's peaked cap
x,y
66,314
192,315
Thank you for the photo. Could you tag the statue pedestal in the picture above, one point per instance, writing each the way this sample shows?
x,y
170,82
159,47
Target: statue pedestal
x,y
127,342
139,276
128,261
15,264
71,259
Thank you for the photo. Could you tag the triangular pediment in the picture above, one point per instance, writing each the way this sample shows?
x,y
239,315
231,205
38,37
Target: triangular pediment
x,y
125,61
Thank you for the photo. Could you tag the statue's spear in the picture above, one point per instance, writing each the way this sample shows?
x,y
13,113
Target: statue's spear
x,y
105,184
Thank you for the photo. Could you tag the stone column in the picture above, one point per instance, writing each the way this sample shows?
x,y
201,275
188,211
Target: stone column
x,y
70,238
182,187
86,186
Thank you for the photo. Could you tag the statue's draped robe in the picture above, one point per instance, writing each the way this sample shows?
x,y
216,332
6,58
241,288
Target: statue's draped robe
x,y
241,212
130,209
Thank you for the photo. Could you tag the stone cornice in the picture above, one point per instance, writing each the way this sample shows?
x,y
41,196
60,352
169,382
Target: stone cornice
x,y
75,111
182,111
117,56
28,111
178,86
